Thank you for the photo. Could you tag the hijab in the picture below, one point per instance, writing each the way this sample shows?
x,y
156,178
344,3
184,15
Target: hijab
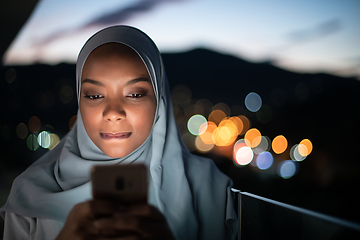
x,y
51,186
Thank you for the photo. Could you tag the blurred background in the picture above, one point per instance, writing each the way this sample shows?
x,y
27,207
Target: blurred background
x,y
269,90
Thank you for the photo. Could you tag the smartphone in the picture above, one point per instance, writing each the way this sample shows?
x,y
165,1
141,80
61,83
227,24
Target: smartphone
x,y
124,183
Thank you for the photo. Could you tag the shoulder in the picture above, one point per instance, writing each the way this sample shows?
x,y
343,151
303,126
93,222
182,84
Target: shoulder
x,y
204,169
204,178
20,227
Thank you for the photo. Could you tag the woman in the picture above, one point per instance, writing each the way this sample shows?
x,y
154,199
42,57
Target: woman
x,y
125,116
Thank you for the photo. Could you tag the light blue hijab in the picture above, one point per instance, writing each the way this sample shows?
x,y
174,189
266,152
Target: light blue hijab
x,y
189,190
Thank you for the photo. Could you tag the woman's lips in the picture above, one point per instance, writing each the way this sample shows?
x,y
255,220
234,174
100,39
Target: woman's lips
x,y
115,136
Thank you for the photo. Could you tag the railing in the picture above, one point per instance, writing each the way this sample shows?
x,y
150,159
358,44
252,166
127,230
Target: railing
x,y
263,218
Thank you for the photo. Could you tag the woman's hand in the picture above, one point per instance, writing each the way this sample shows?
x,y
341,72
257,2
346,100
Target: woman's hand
x,y
104,219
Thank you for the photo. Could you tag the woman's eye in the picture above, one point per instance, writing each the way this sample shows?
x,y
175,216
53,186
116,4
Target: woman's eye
x,y
136,95
96,96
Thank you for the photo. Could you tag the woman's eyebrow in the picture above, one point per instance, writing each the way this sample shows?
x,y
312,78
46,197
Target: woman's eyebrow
x,y
136,80
93,82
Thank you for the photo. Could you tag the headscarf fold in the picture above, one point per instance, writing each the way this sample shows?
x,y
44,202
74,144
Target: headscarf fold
x,y
51,186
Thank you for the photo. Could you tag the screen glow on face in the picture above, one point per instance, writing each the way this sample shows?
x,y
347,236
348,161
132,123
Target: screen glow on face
x,y
117,101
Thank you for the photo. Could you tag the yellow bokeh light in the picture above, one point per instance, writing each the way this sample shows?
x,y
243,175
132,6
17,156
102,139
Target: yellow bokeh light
x,y
201,146
22,130
226,133
238,123
207,129
54,141
279,144
246,124
253,136
217,116
305,147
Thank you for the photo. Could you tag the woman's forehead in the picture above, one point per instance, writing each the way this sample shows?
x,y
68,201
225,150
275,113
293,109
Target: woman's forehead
x,y
113,49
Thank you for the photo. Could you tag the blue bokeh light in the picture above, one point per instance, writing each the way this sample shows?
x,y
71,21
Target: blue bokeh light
x,y
253,102
264,160
287,169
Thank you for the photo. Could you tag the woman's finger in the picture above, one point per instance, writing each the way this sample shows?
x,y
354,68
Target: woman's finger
x,y
142,210
103,207
139,226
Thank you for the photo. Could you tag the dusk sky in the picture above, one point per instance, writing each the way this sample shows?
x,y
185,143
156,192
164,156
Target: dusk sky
x,y
300,35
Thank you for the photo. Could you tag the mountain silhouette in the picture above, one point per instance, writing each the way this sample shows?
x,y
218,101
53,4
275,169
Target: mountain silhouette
x,y
320,107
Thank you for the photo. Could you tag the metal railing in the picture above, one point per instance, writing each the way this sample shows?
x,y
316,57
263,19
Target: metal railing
x,y
263,218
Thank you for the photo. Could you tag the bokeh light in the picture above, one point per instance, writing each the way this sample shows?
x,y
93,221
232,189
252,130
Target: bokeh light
x,y
181,95
66,94
263,145
217,116
34,124
244,156
203,107
239,144
72,121
246,124
207,130
253,136
201,146
231,126
10,75
253,102
287,169
295,153
32,142
22,130
222,136
44,139
238,123
54,141
189,141
308,147
223,107
194,124
279,144
264,160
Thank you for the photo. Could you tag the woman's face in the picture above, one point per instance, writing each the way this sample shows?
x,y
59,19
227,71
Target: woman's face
x,y
117,101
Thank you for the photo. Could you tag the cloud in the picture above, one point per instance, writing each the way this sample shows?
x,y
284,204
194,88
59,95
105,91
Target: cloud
x,y
107,19
120,15
321,30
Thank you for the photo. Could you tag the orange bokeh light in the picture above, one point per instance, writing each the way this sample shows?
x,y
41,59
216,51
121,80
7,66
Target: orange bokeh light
x,y
34,124
305,147
72,121
246,124
226,133
217,116
201,146
279,144
207,135
238,123
253,136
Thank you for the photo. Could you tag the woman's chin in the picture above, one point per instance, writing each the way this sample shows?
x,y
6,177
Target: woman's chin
x,y
115,153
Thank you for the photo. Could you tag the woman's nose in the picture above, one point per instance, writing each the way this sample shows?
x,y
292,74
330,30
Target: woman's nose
x,y
114,111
